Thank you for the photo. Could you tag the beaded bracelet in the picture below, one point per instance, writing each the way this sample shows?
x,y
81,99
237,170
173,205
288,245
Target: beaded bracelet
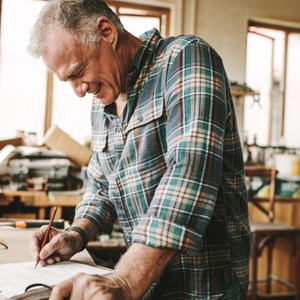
x,y
82,233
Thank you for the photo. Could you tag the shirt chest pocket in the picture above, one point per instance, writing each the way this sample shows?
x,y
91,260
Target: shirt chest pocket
x,y
103,146
146,114
146,135
99,141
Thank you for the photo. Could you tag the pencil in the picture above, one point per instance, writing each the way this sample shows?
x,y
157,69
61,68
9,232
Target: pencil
x,y
46,235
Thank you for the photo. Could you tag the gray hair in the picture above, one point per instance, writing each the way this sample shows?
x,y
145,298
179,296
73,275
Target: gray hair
x,y
79,17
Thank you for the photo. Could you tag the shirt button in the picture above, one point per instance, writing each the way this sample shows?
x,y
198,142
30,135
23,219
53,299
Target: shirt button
x,y
119,206
140,119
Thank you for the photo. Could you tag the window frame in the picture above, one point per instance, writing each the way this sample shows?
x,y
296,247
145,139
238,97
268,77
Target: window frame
x,y
150,11
286,30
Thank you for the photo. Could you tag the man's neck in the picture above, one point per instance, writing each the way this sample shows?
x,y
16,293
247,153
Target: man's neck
x,y
121,103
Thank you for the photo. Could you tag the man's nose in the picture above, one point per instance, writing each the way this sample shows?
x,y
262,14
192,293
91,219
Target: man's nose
x,y
79,87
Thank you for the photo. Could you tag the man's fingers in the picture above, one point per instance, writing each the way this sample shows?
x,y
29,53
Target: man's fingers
x,y
62,290
52,260
36,241
47,251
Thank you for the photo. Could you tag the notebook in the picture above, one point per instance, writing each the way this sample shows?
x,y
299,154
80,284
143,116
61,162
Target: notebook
x,y
16,277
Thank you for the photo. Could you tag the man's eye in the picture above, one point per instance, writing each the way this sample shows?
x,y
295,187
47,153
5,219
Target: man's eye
x,y
76,74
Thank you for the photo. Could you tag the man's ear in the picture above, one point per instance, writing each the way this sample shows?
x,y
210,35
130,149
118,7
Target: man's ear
x,y
107,30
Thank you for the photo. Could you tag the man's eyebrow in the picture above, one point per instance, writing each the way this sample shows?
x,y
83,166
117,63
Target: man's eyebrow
x,y
74,71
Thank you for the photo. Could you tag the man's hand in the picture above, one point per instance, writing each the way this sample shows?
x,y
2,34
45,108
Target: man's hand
x,y
61,245
85,286
138,268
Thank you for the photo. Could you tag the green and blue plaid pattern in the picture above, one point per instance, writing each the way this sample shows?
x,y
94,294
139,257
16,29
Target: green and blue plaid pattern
x,y
171,169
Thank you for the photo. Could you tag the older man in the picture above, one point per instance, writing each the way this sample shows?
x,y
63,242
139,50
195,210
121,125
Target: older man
x,y
167,159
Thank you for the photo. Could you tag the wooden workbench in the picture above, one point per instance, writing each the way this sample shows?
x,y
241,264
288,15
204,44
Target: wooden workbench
x,y
42,200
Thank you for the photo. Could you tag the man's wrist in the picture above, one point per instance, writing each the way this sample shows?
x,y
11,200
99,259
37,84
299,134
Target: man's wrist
x,y
82,233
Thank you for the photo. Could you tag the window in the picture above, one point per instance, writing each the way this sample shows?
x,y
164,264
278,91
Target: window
x,y
146,16
31,99
22,97
273,68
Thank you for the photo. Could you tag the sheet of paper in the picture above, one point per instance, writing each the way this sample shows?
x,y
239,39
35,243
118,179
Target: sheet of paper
x,y
15,277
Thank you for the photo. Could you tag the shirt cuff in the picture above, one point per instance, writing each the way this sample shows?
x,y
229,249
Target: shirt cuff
x,y
101,216
160,233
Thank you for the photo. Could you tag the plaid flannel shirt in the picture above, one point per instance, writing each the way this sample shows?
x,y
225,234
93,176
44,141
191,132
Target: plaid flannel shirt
x,y
170,168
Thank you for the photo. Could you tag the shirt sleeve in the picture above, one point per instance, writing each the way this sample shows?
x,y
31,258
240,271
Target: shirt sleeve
x,y
95,205
184,201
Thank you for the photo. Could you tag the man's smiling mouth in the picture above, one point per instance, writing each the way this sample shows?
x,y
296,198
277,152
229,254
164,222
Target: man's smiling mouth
x,y
97,89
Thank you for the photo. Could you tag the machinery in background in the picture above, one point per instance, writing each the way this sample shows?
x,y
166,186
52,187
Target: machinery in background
x,y
37,169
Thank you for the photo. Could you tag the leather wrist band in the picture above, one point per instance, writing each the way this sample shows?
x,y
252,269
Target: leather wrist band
x,y
82,233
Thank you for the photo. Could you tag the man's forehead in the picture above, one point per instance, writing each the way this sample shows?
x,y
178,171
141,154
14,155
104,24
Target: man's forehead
x,y
61,56
59,41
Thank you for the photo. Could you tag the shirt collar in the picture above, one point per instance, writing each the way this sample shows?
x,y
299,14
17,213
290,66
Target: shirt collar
x,y
143,56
